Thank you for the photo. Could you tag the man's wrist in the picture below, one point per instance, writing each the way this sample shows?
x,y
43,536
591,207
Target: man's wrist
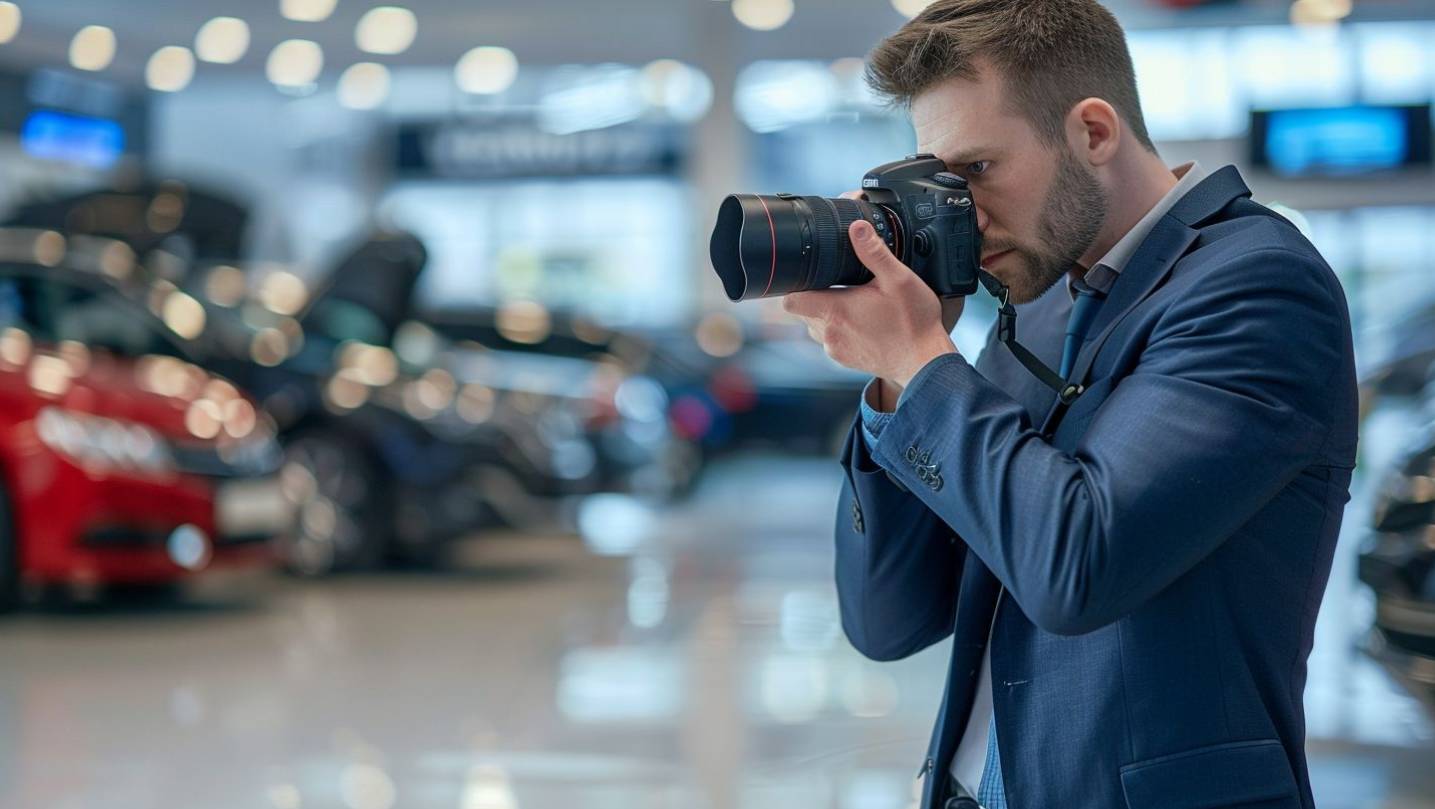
x,y
937,347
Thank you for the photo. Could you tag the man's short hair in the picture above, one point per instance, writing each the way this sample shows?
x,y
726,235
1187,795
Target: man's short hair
x,y
1050,54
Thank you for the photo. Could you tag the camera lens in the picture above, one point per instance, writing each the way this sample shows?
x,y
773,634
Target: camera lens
x,y
765,246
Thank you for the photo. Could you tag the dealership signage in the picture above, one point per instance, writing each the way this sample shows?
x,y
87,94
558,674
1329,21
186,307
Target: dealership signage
x,y
485,149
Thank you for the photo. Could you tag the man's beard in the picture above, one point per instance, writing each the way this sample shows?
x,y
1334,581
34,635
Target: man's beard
x,y
1071,217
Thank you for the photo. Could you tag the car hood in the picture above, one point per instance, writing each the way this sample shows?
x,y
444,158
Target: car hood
x,y
171,396
564,377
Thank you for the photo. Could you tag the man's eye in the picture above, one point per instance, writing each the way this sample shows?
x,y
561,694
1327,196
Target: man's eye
x,y
978,167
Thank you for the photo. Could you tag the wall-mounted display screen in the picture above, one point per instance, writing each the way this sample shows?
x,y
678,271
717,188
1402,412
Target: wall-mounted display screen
x,y
92,142
1340,141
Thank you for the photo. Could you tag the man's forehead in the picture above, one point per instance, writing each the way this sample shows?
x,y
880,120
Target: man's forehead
x,y
958,111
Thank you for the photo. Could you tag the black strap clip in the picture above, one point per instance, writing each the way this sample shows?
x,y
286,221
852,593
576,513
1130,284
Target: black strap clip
x,y
1006,335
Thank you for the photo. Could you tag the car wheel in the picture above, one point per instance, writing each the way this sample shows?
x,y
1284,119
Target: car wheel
x,y
9,555
341,519
682,465
146,593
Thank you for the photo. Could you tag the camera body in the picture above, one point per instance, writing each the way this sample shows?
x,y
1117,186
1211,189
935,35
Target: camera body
x,y
932,221
765,246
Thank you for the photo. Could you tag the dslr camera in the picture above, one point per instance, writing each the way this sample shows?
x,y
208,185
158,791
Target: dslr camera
x,y
765,246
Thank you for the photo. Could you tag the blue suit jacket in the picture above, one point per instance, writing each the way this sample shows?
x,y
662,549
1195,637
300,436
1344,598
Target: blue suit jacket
x,y
1154,557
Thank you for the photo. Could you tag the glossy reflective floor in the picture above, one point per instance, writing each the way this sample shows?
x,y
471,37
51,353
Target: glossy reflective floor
x,y
685,659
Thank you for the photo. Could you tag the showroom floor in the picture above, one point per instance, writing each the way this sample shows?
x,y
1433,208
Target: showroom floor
x,y
689,659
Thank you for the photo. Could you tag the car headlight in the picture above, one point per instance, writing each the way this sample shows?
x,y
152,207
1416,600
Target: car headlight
x,y
95,440
258,453
641,398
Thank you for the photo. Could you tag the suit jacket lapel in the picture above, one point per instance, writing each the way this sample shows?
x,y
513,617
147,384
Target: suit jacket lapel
x,y
1152,262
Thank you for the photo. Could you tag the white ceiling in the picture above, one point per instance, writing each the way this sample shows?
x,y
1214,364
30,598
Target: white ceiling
x,y
549,31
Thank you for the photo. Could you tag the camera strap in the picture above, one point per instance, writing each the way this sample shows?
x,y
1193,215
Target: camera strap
x,y
1006,335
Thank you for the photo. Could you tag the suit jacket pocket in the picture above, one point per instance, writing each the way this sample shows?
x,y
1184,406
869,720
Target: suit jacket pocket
x,y
1235,774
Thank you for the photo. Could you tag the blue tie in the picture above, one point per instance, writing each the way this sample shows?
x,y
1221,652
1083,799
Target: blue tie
x,y
1083,311
991,793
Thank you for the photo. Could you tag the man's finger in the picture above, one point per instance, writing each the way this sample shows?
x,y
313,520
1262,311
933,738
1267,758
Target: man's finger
x,y
801,304
873,251
813,303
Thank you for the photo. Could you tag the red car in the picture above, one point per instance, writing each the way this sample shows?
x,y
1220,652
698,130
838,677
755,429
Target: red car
x,y
120,462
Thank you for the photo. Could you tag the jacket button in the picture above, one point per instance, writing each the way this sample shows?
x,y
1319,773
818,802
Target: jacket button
x,y
856,517
912,454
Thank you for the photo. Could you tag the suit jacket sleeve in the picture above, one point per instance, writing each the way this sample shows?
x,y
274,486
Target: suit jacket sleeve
x,y
1227,404
897,562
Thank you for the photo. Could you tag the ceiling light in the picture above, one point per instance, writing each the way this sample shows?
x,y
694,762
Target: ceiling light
x,y
93,48
762,15
1319,12
386,30
222,40
685,92
910,8
364,86
486,70
295,63
307,10
170,69
10,18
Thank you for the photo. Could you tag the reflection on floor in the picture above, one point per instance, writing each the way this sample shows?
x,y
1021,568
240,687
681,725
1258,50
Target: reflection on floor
x,y
687,659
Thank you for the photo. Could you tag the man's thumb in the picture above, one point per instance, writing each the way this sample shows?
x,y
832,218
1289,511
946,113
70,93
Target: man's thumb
x,y
872,250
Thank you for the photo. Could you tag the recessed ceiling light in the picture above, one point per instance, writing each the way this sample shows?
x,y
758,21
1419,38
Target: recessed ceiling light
x,y
170,69
10,18
762,15
486,70
387,30
222,40
364,86
295,63
93,48
910,8
307,10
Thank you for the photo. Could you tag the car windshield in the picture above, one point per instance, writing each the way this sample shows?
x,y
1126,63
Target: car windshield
x,y
339,320
54,310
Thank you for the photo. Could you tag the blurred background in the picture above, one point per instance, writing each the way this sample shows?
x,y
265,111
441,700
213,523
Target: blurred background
x,y
374,433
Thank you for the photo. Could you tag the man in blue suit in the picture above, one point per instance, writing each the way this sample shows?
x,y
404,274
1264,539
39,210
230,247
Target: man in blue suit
x,y
1130,580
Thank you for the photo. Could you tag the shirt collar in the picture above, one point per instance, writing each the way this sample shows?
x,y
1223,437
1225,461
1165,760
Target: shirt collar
x,y
1104,273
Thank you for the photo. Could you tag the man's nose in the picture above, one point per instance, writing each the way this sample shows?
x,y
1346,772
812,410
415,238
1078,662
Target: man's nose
x,y
982,219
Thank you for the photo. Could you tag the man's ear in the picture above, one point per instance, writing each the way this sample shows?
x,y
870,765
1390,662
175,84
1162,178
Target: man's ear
x,y
1094,130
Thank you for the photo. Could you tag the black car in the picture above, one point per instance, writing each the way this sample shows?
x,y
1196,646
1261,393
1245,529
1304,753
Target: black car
x,y
147,214
1398,563
399,441
729,386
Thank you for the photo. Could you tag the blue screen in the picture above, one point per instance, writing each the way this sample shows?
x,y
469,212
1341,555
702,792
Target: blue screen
x,y
93,142
1340,140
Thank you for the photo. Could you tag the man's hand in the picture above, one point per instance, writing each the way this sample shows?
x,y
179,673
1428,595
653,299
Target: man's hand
x,y
890,327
